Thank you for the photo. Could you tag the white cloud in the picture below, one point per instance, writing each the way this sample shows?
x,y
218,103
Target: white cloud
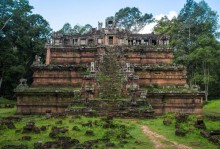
x,y
171,14
149,27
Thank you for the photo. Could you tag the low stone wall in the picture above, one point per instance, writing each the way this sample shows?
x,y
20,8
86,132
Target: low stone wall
x,y
117,108
176,102
58,102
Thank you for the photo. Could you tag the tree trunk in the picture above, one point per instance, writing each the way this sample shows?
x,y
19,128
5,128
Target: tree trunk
x,y
207,84
206,78
1,79
1,82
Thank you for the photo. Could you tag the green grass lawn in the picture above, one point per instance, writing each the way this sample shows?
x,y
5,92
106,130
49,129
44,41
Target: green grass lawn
x,y
192,139
212,108
6,101
4,112
136,138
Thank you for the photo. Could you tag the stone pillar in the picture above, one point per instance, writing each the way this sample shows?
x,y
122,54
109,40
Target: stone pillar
x,y
48,56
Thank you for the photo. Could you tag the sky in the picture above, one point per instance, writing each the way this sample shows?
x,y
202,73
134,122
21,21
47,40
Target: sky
x,y
59,12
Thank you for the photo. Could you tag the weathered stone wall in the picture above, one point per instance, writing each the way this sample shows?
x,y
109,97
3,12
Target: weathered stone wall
x,y
57,78
150,57
56,102
176,102
42,102
72,62
72,56
162,77
80,55
75,79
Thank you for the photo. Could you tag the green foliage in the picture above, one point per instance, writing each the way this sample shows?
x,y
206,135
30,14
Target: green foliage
x,y
6,101
132,19
193,36
52,88
169,89
77,29
22,36
109,77
169,115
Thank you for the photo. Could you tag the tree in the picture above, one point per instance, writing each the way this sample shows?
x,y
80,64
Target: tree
x,y
132,19
67,29
85,29
77,29
23,35
206,57
109,77
193,37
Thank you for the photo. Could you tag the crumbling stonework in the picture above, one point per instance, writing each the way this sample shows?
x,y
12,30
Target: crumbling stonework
x,y
72,63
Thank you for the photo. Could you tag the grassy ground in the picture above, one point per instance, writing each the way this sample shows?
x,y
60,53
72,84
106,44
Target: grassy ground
x,y
4,112
212,108
135,139
192,139
6,101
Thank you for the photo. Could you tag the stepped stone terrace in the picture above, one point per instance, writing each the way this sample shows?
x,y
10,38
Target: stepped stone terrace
x,y
67,82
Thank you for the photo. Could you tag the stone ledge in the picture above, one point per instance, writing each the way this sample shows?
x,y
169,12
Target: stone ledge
x,y
58,67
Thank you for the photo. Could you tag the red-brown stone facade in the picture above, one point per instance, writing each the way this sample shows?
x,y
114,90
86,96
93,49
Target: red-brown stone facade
x,y
72,62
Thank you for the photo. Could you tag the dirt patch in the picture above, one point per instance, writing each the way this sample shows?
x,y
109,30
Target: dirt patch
x,y
161,142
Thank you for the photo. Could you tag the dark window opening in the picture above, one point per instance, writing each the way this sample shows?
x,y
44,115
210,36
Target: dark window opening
x,y
90,42
146,41
154,42
66,41
110,40
138,42
110,22
74,41
130,42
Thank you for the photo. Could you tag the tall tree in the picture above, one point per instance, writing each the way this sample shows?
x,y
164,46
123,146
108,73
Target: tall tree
x,y
86,29
132,19
205,57
22,36
196,24
76,29
67,29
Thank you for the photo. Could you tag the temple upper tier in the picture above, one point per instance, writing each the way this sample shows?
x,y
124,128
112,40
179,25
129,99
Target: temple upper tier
x,y
108,36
